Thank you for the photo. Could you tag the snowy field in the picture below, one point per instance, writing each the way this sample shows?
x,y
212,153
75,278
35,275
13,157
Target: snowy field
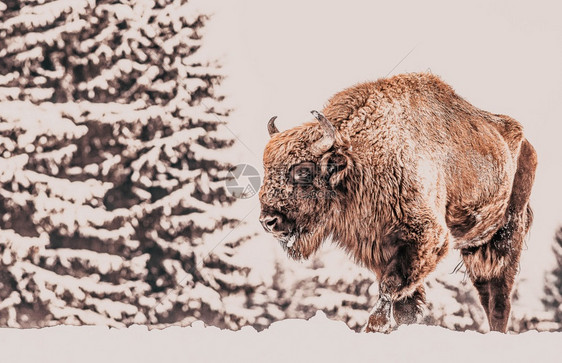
x,y
318,339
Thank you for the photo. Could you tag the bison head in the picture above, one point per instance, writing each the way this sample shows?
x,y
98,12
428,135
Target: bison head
x,y
304,184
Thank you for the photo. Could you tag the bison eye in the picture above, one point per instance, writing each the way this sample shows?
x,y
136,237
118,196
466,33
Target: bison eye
x,y
302,173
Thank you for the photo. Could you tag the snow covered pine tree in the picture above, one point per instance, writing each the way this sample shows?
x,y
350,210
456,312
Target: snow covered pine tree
x,y
112,168
553,299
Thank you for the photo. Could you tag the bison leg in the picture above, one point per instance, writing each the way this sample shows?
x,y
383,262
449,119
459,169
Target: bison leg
x,y
379,320
409,309
493,266
412,255
482,285
500,303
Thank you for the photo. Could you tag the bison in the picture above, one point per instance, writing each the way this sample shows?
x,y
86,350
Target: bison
x,y
394,171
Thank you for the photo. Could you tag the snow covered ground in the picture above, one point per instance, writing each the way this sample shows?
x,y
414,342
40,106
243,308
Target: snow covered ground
x,y
318,339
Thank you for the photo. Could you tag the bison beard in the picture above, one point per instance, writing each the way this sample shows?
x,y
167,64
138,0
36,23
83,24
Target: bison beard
x,y
394,171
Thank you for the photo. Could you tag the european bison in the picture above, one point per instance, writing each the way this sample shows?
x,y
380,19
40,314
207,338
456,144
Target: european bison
x,y
394,171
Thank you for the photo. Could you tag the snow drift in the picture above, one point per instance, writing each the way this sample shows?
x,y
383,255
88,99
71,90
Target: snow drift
x,y
286,341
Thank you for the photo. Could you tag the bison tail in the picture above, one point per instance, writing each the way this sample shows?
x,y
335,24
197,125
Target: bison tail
x,y
529,216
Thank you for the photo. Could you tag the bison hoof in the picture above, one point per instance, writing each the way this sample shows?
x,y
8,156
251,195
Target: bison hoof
x,y
378,323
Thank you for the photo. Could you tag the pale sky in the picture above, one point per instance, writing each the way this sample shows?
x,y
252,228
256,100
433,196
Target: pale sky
x,y
286,58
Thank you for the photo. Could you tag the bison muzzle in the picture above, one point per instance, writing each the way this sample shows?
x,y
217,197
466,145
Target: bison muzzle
x,y
394,171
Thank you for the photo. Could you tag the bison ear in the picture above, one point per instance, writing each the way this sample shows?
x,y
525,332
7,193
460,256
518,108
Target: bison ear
x,y
335,167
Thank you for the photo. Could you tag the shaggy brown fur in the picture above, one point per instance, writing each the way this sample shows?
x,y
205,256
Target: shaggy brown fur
x,y
412,168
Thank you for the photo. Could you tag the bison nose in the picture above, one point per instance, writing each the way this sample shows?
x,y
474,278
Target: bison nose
x,y
269,222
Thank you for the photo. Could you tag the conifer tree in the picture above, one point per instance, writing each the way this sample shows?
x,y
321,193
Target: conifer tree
x,y
112,168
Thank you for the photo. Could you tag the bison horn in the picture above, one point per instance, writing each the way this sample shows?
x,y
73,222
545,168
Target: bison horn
x,y
327,141
271,128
